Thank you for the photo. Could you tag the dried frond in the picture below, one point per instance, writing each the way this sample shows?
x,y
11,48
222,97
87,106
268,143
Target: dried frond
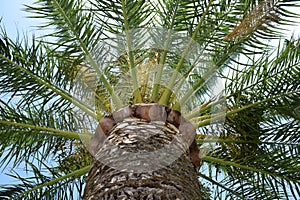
x,y
263,13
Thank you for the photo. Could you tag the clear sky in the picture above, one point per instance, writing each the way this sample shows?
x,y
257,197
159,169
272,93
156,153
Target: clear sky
x,y
15,19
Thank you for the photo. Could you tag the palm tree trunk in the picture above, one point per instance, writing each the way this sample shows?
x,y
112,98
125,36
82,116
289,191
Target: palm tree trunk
x,y
144,152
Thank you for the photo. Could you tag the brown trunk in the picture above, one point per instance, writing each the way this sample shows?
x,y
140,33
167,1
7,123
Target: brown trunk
x,y
146,155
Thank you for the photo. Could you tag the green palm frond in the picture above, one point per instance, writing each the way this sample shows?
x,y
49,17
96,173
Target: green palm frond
x,y
261,168
96,58
26,133
40,76
257,176
37,106
73,37
119,15
46,183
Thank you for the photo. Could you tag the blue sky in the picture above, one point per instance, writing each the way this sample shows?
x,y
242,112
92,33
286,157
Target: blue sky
x,y
15,19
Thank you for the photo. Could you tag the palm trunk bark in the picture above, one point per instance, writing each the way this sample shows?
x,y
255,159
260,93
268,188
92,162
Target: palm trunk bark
x,y
144,151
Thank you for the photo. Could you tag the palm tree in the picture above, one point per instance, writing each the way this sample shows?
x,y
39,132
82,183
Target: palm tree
x,y
151,72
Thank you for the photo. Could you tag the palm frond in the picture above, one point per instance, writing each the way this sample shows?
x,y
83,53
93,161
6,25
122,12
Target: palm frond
x,y
262,16
117,16
73,38
27,133
257,176
36,107
265,166
101,56
32,70
47,183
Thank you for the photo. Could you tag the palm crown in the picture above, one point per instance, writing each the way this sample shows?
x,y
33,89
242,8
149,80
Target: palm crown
x,y
52,90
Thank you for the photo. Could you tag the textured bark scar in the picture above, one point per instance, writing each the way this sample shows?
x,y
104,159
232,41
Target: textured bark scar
x,y
148,112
